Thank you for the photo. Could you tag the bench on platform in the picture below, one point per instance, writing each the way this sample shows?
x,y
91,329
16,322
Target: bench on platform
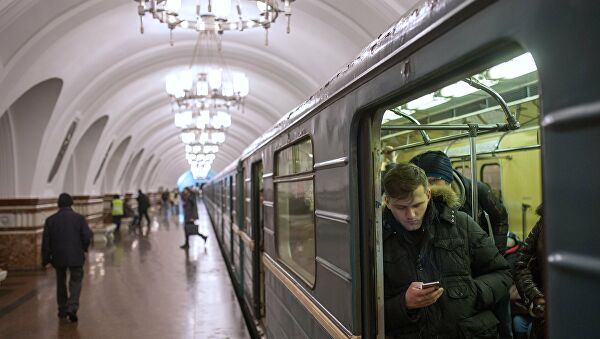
x,y
106,233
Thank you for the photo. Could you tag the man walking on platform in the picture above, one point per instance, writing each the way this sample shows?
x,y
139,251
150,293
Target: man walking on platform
x,y
66,238
143,205
190,214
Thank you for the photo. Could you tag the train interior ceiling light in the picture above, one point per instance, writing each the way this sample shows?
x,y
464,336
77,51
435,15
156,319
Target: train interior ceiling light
x,y
215,16
501,77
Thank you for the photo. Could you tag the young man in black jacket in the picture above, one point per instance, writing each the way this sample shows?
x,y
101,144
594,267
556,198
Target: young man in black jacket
x,y
426,239
66,238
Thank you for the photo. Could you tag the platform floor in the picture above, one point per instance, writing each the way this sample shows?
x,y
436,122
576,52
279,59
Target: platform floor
x,y
138,287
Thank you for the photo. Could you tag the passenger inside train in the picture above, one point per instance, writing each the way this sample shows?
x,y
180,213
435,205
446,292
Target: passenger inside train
x,y
529,274
506,162
425,239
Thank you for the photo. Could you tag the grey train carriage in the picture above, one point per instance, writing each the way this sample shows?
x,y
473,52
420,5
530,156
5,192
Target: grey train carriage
x,y
298,215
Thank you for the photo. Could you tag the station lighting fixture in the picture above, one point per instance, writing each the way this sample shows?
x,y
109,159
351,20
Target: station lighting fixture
x,y
202,99
212,87
202,119
199,170
199,148
214,16
202,136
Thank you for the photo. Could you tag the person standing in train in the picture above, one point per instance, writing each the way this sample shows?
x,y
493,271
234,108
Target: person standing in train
x,y
438,168
190,215
65,240
529,273
427,240
389,162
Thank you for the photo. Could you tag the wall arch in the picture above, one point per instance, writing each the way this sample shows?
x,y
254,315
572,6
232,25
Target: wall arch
x,y
84,151
143,171
29,116
113,164
7,158
128,184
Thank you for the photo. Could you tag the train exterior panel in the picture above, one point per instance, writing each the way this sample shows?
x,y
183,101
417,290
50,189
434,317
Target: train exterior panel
x,y
304,246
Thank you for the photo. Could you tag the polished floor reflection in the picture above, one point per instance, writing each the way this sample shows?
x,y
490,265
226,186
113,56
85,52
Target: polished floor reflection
x,y
140,286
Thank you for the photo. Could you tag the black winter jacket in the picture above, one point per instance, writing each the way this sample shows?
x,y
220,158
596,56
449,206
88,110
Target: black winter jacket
x,y
489,203
455,251
66,238
143,203
529,271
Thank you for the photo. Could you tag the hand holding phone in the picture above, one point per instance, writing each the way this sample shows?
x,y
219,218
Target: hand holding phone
x,y
435,285
420,294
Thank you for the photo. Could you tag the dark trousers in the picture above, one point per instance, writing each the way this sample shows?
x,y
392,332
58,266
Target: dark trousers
x,y
144,214
190,229
117,221
68,302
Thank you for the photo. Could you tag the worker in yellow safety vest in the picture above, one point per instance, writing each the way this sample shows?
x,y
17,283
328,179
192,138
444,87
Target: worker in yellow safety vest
x,y
117,211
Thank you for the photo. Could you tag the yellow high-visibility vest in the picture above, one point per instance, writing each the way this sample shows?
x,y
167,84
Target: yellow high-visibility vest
x,y
117,207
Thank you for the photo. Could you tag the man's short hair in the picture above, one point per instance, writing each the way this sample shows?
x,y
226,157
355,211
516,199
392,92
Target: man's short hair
x,y
65,200
401,181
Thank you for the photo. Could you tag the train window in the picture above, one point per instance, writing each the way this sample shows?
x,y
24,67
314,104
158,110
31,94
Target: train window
x,y
464,170
294,209
295,159
491,175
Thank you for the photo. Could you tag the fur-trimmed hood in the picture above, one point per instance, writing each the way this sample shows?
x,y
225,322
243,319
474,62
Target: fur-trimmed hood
x,y
445,194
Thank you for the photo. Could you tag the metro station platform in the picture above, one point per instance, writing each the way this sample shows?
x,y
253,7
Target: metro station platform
x,y
138,286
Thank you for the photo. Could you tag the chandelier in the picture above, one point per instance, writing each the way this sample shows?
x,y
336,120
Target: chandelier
x,y
203,136
202,119
202,98
213,16
211,87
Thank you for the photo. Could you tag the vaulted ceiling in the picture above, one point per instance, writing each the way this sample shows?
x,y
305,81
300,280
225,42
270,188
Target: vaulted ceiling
x,y
73,60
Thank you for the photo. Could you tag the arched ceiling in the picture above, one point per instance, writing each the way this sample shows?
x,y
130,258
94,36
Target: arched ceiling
x,y
109,69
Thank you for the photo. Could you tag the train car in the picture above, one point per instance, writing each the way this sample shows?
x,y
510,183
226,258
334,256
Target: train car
x,y
298,216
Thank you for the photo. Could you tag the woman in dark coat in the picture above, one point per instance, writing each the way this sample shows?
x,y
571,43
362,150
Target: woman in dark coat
x,y
529,275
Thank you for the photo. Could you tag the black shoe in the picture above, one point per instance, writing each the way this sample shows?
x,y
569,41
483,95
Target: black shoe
x,y
185,246
62,315
72,316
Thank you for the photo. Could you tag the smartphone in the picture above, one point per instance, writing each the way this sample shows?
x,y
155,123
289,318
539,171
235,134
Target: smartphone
x,y
434,285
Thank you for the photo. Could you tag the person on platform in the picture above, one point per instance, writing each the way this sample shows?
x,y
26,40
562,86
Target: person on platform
x,y
118,211
66,238
190,214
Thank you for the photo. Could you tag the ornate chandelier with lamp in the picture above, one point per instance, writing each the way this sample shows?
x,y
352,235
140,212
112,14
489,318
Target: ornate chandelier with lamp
x,y
209,87
213,16
205,136
202,99
202,119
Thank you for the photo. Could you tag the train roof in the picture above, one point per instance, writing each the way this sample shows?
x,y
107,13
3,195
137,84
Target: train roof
x,y
229,168
417,22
